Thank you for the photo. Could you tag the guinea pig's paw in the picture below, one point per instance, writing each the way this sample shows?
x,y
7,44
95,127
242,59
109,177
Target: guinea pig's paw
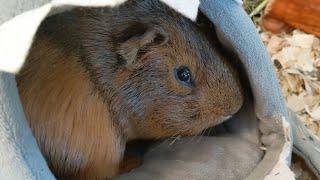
x,y
129,163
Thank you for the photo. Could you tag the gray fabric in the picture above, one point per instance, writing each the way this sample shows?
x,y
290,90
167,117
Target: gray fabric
x,y
269,104
233,154
204,158
20,157
306,144
10,9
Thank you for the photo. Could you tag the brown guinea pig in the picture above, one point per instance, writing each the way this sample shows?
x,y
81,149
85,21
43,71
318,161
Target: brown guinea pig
x,y
96,78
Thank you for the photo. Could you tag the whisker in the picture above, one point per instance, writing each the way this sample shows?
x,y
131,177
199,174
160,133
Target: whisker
x,y
177,138
201,136
157,146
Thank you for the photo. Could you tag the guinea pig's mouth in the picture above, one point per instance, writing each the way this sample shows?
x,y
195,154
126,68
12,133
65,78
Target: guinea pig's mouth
x,y
209,123
218,121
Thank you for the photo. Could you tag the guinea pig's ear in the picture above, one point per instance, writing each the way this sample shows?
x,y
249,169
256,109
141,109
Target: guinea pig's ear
x,y
135,46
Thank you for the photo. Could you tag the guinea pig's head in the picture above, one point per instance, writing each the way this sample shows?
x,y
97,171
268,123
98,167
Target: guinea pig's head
x,y
162,78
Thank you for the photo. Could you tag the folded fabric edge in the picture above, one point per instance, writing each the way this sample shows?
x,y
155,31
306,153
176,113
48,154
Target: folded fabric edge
x,y
20,156
281,169
306,145
269,104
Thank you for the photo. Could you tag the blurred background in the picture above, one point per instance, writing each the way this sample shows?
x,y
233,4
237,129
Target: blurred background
x,y
290,30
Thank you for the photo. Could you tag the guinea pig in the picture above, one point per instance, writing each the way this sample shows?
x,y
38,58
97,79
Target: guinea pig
x,y
96,78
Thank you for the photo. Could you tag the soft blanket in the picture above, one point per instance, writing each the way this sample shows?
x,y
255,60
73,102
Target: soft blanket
x,y
235,150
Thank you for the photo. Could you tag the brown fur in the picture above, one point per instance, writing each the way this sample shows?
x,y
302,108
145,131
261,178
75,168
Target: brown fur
x,y
96,78
62,108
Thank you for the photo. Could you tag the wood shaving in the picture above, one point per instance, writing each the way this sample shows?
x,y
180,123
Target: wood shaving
x,y
296,57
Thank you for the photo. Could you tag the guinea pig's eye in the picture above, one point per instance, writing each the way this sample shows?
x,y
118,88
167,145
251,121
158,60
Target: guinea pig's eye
x,y
183,74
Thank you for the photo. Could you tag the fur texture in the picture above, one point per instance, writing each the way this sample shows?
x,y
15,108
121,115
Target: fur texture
x,y
96,78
